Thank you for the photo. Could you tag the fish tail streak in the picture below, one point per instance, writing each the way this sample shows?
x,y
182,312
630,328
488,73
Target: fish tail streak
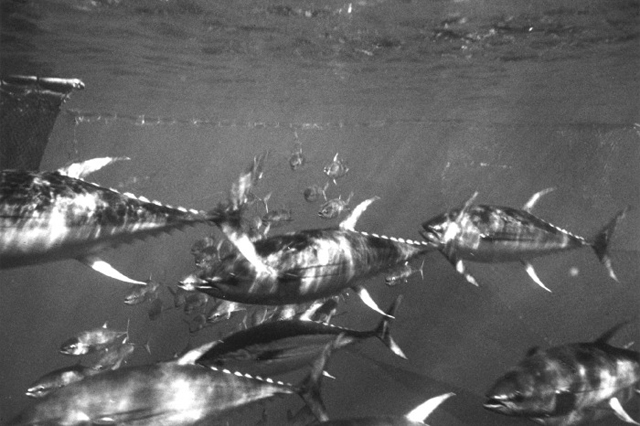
x,y
601,241
383,332
309,389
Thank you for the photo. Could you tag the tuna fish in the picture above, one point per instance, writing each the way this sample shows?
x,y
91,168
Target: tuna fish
x,y
177,392
569,384
49,216
282,346
306,265
489,233
93,340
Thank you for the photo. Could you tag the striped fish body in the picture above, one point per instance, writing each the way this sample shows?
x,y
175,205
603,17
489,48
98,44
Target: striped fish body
x,y
159,394
282,346
305,266
489,233
566,385
277,347
47,216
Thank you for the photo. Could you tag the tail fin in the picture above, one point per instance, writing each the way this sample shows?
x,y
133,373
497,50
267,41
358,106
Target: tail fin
x,y
383,331
600,242
309,389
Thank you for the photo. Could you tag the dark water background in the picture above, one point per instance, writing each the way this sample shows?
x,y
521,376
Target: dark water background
x,y
427,100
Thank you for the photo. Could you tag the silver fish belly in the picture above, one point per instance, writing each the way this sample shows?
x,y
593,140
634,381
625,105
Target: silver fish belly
x,y
305,266
47,216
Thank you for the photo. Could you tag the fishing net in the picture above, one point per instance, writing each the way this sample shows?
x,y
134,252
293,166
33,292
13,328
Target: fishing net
x,y
29,107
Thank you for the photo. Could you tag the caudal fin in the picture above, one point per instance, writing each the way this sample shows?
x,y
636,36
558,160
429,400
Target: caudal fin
x,y
383,332
601,241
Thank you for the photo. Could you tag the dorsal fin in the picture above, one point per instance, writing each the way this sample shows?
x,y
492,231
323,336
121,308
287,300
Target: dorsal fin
x,y
607,335
534,199
349,223
84,168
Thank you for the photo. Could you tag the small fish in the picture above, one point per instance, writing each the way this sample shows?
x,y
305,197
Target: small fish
x,y
197,323
179,296
223,309
334,207
314,192
489,233
415,417
139,294
113,357
569,384
277,347
193,301
58,379
275,218
297,158
156,309
173,393
402,274
336,169
321,310
304,266
205,251
93,340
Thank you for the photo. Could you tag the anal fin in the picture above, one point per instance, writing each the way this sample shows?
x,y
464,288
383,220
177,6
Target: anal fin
x,y
460,268
532,274
104,268
615,405
368,300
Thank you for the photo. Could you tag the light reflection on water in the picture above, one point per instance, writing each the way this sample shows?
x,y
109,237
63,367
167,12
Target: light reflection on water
x,y
427,102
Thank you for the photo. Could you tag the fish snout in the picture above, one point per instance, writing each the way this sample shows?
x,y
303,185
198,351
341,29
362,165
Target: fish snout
x,y
498,403
72,347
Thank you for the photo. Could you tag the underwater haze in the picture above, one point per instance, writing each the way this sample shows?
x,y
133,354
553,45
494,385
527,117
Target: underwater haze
x,y
427,100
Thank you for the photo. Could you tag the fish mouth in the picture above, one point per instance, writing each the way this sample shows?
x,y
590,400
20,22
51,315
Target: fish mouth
x,y
35,393
193,282
495,404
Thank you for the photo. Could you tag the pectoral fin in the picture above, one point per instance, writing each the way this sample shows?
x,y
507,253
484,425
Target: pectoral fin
x,y
368,300
424,410
532,273
84,168
457,263
615,405
246,247
104,268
